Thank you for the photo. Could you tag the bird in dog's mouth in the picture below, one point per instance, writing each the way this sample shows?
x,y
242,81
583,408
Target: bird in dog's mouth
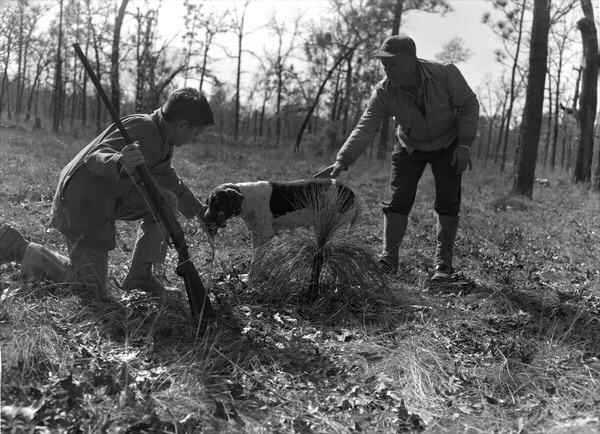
x,y
210,229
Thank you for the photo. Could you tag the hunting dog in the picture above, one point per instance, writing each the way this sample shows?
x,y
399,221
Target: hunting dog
x,y
267,207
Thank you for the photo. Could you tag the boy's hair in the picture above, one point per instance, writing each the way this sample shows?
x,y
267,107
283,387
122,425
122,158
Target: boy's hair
x,y
190,105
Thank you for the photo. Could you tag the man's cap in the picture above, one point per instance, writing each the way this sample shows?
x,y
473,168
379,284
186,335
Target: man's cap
x,y
397,45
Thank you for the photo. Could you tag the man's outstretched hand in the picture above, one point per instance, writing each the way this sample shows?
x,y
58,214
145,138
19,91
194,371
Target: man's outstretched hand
x,y
332,171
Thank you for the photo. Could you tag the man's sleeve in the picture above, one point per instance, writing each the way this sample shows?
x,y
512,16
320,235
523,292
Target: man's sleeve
x,y
465,101
365,131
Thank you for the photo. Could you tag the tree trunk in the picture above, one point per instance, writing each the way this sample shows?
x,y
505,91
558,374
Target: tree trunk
x,y
555,125
382,149
84,91
512,89
58,83
4,84
531,124
548,120
589,97
501,131
279,100
240,36
115,93
312,108
333,114
98,99
41,64
20,79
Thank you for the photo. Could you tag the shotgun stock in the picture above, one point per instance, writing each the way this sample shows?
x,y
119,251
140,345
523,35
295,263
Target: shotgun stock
x,y
200,304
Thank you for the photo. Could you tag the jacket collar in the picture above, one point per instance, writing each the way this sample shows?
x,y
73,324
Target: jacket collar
x,y
423,70
161,123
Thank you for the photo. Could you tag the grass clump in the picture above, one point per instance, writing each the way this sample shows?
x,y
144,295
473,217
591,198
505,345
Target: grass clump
x,y
326,260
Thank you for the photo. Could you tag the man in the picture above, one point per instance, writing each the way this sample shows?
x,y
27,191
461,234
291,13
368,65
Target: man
x,y
100,186
436,114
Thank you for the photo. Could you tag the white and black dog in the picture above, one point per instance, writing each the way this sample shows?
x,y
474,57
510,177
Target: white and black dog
x,y
267,207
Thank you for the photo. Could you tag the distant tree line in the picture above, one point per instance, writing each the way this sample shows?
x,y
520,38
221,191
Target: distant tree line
x,y
310,82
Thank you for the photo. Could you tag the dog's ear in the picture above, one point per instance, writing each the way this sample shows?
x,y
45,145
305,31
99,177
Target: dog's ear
x,y
235,199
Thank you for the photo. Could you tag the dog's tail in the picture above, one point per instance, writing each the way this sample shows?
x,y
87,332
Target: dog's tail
x,y
349,202
357,214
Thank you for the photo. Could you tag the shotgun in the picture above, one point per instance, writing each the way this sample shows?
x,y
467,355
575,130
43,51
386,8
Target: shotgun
x,y
198,298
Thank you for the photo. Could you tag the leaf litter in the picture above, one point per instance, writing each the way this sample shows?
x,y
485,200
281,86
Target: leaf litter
x,y
510,345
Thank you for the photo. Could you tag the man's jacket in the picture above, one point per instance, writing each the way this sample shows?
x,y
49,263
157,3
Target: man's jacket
x,y
451,111
94,184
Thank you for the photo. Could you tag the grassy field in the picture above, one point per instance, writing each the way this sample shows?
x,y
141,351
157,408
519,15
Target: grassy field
x,y
511,346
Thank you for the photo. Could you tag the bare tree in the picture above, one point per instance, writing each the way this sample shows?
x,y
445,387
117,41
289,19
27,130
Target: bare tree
x,y
279,61
97,25
8,28
156,66
492,101
28,17
115,94
350,29
58,80
529,134
589,96
42,62
201,30
557,60
238,25
506,29
561,32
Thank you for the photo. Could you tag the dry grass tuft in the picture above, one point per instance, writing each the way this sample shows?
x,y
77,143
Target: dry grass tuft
x,y
325,261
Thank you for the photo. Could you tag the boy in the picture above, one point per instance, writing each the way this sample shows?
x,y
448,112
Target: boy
x,y
100,186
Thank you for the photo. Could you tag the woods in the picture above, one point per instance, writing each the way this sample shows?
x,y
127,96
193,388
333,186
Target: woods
x,y
318,340
303,86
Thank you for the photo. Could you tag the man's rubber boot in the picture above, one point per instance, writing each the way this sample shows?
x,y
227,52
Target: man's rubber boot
x,y
447,227
394,228
140,277
12,244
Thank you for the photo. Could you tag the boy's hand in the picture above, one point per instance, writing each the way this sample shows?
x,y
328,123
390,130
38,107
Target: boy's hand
x,y
200,209
131,157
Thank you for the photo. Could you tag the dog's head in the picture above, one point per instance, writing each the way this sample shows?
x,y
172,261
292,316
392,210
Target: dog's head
x,y
224,202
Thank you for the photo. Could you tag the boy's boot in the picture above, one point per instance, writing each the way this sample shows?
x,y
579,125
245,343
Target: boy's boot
x,y
12,244
150,248
447,227
394,228
42,263
36,261
140,277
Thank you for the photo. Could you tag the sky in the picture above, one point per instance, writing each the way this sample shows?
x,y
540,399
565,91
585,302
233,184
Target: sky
x,y
430,31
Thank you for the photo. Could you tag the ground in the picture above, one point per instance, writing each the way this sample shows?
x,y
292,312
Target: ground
x,y
511,345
